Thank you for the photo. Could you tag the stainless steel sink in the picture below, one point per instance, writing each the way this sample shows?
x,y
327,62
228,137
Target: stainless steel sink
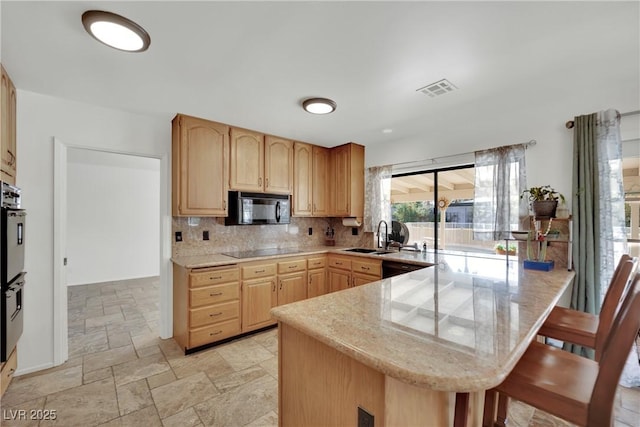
x,y
361,250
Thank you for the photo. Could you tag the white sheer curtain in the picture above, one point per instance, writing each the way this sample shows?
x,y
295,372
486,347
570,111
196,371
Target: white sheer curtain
x,y
500,179
377,197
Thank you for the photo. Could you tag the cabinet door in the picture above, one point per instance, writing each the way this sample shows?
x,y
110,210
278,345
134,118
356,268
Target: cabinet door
x,y
317,283
362,279
339,279
303,179
247,160
8,128
292,288
200,167
321,181
258,297
341,173
278,166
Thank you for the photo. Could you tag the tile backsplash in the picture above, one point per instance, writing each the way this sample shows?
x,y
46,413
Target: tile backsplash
x,y
249,237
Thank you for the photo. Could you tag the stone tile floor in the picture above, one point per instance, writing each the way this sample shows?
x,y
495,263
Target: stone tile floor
x,y
119,373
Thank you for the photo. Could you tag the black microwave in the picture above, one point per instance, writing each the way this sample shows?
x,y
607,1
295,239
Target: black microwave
x,y
258,208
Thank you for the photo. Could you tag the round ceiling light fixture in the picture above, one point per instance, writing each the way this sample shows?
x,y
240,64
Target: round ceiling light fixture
x,y
116,31
319,105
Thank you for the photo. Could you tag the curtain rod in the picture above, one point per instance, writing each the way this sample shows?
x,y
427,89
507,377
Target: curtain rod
x,y
570,123
434,160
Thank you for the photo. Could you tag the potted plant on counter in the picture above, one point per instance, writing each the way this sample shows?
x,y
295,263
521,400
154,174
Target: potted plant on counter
x,y
543,200
501,249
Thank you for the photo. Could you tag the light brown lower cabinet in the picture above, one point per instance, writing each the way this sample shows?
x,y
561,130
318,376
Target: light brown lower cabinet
x,y
346,272
206,305
7,371
317,276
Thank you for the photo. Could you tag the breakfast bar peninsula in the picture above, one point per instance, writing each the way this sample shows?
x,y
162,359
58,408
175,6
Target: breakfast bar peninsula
x,y
398,352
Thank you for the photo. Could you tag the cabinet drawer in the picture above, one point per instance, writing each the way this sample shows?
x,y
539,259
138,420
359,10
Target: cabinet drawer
x,y
215,332
214,313
213,294
213,277
367,267
292,266
342,263
8,369
258,270
319,262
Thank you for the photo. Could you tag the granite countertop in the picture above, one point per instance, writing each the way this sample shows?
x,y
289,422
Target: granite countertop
x,y
459,326
217,260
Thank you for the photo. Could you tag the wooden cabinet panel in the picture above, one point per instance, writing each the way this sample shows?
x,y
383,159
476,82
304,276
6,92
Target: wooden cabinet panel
x,y
212,333
317,262
292,288
322,180
339,262
348,187
7,128
358,279
8,369
199,167
247,160
339,279
213,314
213,276
278,166
292,266
253,271
258,297
213,294
371,267
317,283
303,179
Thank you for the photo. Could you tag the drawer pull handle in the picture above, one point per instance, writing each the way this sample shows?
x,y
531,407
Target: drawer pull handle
x,y
215,294
215,314
293,266
366,268
259,271
338,263
215,278
214,333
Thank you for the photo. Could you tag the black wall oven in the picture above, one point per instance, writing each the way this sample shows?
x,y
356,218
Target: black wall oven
x,y
12,280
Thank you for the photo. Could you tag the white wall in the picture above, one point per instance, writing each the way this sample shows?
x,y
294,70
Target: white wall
x,y
113,201
39,118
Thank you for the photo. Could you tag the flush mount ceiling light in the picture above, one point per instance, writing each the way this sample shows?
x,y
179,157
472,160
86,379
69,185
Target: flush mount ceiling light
x,y
116,31
319,105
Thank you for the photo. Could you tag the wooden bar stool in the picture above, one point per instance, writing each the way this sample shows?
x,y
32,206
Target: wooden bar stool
x,y
568,386
582,328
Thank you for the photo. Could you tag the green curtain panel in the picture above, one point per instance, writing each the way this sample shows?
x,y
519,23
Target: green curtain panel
x,y
599,237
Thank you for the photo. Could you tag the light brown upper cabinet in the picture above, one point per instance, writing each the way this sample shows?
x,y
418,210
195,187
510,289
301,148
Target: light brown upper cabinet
x,y
260,164
312,180
302,179
200,167
278,165
8,128
348,187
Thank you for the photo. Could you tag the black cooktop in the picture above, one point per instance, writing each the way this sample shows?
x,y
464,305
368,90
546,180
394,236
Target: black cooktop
x,y
261,252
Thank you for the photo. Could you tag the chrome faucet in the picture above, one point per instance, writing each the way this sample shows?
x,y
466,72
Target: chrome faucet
x,y
386,234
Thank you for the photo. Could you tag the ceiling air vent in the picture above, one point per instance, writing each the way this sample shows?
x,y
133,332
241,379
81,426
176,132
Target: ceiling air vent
x,y
438,88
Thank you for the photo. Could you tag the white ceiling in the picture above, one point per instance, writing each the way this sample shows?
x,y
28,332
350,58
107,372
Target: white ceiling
x,y
251,63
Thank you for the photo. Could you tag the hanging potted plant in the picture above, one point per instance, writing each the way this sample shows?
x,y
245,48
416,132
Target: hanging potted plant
x,y
543,200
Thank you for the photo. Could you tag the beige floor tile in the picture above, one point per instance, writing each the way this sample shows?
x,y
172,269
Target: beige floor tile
x,y
87,405
145,340
208,361
542,419
109,358
628,416
171,349
161,379
138,369
268,339
147,417
133,396
108,319
244,353
119,339
186,418
267,420
26,389
271,366
97,375
240,405
88,343
21,415
182,394
234,379
149,351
